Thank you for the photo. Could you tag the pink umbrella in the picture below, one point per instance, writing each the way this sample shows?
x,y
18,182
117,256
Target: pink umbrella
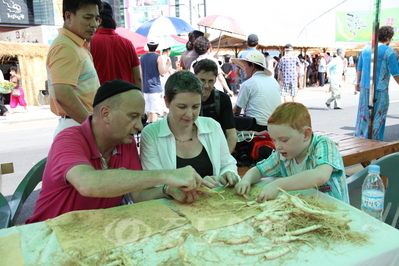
x,y
138,40
222,23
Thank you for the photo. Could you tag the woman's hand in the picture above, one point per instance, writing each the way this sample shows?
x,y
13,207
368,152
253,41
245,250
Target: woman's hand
x,y
229,179
184,196
211,181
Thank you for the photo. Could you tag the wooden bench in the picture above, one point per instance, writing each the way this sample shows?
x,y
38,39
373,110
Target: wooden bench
x,y
354,150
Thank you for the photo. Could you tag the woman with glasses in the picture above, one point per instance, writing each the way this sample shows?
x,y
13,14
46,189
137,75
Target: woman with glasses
x,y
184,138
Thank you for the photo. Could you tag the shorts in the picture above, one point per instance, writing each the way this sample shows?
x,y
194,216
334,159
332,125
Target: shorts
x,y
154,103
289,89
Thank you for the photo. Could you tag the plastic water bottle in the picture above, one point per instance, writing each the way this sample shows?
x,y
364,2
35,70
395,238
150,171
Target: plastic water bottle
x,y
373,198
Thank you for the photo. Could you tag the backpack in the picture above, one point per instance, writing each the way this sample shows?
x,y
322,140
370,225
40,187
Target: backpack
x,y
216,103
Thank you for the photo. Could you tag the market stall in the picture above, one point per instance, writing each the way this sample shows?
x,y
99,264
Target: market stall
x,y
236,43
32,64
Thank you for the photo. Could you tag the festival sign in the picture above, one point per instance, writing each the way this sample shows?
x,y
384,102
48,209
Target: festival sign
x,y
357,26
141,11
14,12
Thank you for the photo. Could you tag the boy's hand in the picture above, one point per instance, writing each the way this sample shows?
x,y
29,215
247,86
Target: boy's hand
x,y
269,192
243,187
211,181
229,179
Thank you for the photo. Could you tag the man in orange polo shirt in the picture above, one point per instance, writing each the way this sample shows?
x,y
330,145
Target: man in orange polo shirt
x,y
70,69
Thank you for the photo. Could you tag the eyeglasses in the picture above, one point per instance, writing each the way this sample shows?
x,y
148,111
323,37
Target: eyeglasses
x,y
209,82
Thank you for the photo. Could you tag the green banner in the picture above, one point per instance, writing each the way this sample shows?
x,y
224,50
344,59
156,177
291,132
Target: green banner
x,y
357,26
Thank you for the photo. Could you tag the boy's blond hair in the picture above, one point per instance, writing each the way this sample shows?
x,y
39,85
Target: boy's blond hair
x,y
294,114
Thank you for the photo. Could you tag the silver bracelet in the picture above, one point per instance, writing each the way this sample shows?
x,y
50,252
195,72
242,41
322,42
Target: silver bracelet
x,y
164,192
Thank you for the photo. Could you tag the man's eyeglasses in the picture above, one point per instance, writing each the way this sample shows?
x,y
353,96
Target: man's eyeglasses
x,y
209,82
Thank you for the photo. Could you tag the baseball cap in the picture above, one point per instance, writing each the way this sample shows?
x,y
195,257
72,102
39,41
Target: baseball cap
x,y
107,10
252,40
288,47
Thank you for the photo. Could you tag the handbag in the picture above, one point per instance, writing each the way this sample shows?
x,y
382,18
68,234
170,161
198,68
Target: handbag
x,y
43,97
244,123
16,93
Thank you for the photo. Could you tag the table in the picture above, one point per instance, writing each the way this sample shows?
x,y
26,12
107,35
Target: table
x,y
356,150
40,246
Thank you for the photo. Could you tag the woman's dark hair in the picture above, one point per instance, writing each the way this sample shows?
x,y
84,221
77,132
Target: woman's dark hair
x,y
385,33
257,67
206,65
192,36
152,47
201,45
182,81
108,22
74,5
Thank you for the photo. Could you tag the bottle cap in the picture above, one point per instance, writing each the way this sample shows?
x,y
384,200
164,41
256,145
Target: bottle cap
x,y
374,168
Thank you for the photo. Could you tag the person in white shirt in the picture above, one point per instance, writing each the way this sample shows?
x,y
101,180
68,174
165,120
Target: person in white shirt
x,y
260,94
335,69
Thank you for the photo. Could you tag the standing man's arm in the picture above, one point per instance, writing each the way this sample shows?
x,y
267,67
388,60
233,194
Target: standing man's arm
x,y
358,79
231,137
69,101
280,77
137,76
269,64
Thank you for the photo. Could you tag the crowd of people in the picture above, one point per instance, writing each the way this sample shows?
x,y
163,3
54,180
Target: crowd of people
x,y
94,161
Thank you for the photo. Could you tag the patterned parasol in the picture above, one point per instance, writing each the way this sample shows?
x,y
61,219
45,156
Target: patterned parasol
x,y
222,23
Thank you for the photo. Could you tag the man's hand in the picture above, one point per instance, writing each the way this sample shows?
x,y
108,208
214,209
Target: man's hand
x,y
185,178
269,192
357,87
229,178
211,181
243,187
184,196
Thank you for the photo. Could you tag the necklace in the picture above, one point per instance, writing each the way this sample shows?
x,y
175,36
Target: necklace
x,y
182,141
190,139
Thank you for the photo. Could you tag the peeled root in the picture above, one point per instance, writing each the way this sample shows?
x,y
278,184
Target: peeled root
x,y
277,253
286,239
211,191
237,241
256,251
303,230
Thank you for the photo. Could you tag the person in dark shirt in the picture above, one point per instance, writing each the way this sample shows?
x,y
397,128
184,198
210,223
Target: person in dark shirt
x,y
216,104
227,69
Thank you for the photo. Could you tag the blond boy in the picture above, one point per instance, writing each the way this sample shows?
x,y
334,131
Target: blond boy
x,y
304,159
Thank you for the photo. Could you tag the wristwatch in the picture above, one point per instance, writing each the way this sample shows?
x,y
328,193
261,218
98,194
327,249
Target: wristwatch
x,y
165,193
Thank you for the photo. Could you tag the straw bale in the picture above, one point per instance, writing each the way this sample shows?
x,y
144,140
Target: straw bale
x,y
32,64
26,49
